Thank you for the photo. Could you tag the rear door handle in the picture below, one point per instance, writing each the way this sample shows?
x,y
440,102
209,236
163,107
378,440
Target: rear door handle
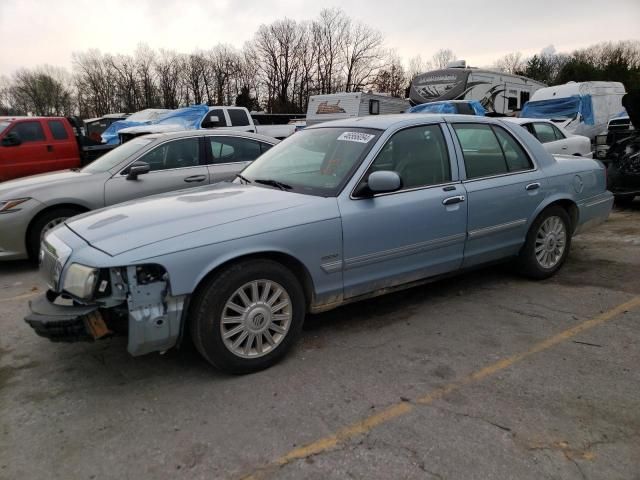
x,y
195,178
453,200
532,186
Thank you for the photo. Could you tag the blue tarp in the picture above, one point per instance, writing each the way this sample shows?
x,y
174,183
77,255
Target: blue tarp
x,y
188,118
110,135
567,107
446,107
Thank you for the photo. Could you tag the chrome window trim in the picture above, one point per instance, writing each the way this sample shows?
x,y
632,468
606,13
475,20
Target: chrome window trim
x,y
423,187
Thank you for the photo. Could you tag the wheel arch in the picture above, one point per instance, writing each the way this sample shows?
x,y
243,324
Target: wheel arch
x,y
51,208
297,267
564,202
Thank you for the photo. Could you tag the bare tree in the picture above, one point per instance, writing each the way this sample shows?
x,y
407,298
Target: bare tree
x,y
363,55
442,57
510,63
42,91
392,79
167,70
145,61
94,84
329,32
417,65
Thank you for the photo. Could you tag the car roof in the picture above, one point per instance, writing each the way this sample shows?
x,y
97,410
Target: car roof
x,y
213,132
383,122
526,120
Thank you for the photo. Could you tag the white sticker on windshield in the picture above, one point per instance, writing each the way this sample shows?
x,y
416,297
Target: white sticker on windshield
x,y
356,137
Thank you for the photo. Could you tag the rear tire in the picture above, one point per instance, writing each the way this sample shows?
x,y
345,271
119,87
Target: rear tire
x,y
246,318
41,226
547,244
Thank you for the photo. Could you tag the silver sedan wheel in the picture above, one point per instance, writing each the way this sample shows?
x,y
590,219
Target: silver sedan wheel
x,y
256,318
50,226
551,240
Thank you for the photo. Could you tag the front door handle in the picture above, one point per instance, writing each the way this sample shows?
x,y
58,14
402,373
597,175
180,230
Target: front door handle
x,y
453,200
49,148
532,186
195,178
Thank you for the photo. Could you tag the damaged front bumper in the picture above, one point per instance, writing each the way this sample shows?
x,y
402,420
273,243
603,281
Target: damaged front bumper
x,y
66,323
152,321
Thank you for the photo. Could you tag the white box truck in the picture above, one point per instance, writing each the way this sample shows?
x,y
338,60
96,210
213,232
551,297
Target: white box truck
x,y
336,106
582,108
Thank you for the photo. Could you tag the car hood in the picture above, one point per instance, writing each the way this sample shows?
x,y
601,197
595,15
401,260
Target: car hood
x,y
154,219
29,186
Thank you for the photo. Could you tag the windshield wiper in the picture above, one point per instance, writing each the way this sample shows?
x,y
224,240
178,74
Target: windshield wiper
x,y
274,183
246,180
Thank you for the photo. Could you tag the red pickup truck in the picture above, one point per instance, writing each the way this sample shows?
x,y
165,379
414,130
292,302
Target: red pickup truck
x,y
30,145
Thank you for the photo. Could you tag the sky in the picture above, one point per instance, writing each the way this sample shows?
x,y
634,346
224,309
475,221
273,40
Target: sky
x,y
37,32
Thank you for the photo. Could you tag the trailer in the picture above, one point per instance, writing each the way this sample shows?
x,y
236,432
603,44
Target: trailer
x,y
498,92
583,108
336,106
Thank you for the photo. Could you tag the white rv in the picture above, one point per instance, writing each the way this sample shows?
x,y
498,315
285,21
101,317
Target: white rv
x,y
336,106
582,108
498,92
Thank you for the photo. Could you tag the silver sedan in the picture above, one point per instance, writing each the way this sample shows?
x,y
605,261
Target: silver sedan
x,y
31,206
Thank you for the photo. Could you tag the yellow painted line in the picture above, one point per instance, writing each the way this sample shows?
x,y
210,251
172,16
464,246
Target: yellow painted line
x,y
399,409
20,297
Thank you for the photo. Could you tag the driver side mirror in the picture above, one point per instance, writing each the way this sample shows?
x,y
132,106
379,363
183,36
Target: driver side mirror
x,y
11,140
382,181
138,168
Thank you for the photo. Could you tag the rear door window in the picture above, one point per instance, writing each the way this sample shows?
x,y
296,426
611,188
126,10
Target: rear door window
x,y
544,132
516,157
57,129
29,131
239,118
481,151
233,149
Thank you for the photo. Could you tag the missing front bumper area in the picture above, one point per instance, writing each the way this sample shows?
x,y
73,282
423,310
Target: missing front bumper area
x,y
66,323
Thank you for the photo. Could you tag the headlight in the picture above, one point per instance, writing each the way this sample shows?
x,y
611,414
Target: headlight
x,y
80,280
54,253
8,205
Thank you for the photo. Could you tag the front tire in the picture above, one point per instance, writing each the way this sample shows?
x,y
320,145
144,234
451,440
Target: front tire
x,y
547,244
246,318
623,200
43,224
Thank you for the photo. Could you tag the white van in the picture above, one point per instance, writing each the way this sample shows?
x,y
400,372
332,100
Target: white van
x,y
583,108
498,92
337,106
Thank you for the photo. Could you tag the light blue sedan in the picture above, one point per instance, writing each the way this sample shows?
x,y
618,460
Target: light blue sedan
x,y
338,212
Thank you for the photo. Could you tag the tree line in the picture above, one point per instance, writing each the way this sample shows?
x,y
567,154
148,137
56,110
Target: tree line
x,y
284,63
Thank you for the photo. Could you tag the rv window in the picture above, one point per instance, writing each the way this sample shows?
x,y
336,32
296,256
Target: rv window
x,y
374,107
513,103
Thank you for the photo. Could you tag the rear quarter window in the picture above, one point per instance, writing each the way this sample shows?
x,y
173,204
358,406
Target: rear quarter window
x,y
57,129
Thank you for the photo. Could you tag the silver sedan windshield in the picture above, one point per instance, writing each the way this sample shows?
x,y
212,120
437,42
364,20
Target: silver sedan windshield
x,y
317,161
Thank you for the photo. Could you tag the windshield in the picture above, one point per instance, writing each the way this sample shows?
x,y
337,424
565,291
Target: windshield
x,y
117,155
4,125
317,161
